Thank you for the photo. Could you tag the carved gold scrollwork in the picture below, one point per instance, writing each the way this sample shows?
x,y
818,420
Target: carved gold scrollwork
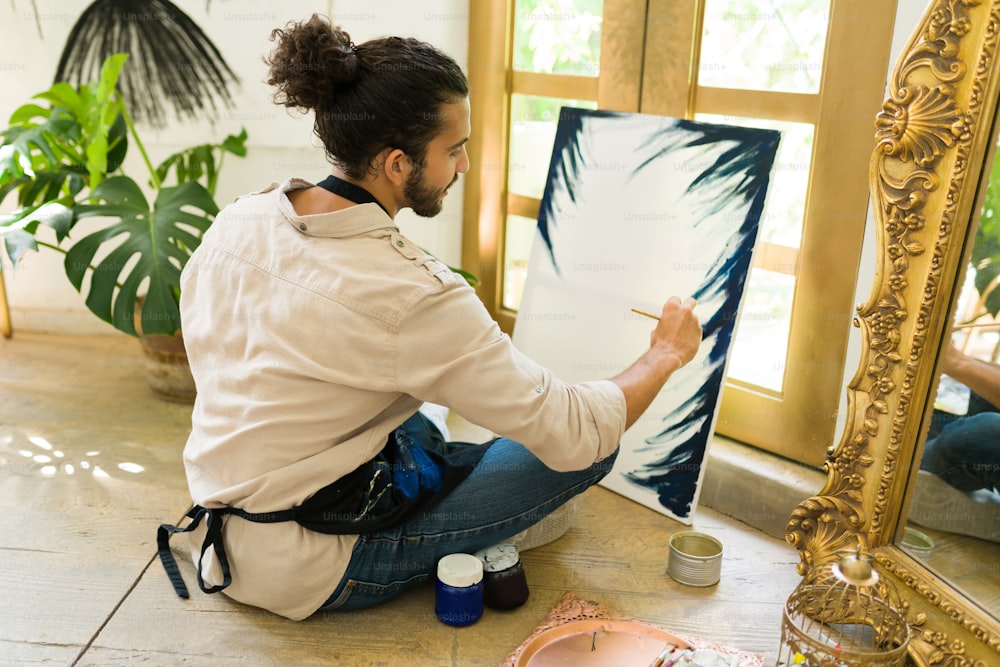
x,y
922,173
816,529
920,124
915,129
932,644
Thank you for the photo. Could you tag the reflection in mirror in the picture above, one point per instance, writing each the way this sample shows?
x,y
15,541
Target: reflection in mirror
x,y
954,519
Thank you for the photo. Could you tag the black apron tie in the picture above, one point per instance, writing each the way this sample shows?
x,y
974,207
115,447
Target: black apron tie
x,y
213,539
413,472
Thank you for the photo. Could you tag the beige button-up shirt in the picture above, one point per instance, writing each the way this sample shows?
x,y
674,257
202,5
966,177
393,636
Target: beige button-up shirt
x,y
310,338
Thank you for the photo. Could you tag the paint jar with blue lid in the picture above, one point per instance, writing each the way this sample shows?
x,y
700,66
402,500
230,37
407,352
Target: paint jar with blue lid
x,y
458,596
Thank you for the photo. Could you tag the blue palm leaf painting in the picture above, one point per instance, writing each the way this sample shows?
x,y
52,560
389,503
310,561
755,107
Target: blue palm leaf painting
x,y
637,208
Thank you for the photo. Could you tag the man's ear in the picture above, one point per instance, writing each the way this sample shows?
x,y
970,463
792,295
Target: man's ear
x,y
397,166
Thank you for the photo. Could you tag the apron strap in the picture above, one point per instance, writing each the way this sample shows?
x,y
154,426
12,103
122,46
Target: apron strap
x,y
213,539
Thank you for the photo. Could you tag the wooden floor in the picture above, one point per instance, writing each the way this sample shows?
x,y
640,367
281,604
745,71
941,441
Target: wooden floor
x,y
90,464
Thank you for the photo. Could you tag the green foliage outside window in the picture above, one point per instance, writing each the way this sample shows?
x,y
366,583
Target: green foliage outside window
x,y
985,258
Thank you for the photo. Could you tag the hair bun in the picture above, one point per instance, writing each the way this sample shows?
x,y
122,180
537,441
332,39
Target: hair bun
x,y
312,59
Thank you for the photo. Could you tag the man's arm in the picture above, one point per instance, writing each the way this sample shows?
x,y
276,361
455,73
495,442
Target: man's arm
x,y
980,376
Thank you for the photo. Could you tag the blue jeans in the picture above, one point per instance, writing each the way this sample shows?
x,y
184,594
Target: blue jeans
x,y
508,491
966,453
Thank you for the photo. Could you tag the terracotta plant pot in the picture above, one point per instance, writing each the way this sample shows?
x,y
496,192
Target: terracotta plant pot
x,y
167,371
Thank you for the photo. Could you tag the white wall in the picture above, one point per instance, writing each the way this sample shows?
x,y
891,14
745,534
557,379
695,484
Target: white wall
x,y
280,143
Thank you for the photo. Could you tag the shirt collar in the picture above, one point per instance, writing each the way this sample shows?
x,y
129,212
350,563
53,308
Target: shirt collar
x,y
357,219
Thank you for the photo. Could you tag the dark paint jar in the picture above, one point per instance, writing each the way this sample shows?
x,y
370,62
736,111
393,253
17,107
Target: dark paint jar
x,y
504,583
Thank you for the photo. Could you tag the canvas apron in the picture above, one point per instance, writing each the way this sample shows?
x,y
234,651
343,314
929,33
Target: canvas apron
x,y
414,471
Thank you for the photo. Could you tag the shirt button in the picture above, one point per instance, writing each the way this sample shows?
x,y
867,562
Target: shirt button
x,y
538,389
400,243
302,226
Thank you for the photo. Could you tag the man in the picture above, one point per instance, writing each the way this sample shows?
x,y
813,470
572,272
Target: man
x,y
315,331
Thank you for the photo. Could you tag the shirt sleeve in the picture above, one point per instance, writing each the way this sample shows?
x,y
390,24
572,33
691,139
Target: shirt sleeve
x,y
451,352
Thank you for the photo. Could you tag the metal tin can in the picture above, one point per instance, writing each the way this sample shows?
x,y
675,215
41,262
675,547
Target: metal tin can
x,y
695,558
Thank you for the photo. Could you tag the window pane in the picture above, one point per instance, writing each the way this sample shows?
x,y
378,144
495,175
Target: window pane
x,y
761,345
786,196
519,234
558,36
532,130
764,44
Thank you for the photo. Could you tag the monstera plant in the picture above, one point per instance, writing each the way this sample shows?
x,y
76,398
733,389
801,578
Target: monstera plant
x,y
64,160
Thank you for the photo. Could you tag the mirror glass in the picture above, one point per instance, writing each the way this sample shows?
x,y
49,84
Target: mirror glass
x,y
953,524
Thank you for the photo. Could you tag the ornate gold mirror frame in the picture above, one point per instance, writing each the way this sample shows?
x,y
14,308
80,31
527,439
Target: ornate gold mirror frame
x,y
934,139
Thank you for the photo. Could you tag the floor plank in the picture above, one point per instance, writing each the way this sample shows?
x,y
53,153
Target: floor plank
x,y
29,653
88,462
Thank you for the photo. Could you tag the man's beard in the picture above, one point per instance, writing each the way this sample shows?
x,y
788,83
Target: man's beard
x,y
425,200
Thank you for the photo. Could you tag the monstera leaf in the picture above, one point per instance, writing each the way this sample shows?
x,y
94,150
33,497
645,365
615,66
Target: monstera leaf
x,y
18,229
78,139
145,248
49,155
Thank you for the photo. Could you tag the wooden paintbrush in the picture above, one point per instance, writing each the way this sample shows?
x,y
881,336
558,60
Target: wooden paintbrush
x,y
642,312
669,649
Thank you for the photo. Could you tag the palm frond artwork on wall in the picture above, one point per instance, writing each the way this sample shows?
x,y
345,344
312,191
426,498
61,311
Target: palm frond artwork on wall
x,y
637,208
171,60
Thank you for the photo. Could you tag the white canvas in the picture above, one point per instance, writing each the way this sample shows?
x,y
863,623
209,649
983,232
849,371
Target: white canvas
x,y
638,208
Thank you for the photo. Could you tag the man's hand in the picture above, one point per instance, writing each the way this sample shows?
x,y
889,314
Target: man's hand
x,y
678,333
673,343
